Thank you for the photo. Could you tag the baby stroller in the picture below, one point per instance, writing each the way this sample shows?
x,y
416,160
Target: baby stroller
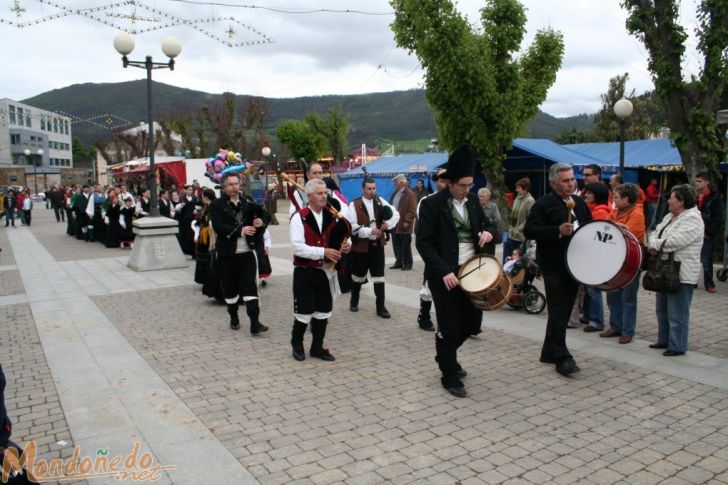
x,y
522,271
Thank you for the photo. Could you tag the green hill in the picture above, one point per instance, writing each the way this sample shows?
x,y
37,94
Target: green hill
x,y
398,115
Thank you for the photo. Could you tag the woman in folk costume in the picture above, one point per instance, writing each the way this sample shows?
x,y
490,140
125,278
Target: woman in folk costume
x,y
264,267
112,213
201,228
100,199
68,207
126,218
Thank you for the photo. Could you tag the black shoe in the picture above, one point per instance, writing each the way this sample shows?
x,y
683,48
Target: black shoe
x,y
323,355
658,346
567,367
544,360
454,386
462,373
591,329
382,312
354,308
258,329
457,391
427,326
672,353
406,267
263,283
234,325
396,266
298,353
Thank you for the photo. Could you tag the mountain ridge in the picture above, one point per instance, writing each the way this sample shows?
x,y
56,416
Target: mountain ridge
x,y
393,115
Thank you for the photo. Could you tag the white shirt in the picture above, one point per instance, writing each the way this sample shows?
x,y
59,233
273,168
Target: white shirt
x,y
365,231
460,206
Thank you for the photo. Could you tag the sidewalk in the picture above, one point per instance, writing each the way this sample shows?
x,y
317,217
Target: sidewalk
x,y
100,356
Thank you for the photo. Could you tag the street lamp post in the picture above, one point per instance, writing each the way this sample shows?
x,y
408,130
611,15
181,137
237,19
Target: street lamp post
x,y
39,152
124,45
623,109
156,245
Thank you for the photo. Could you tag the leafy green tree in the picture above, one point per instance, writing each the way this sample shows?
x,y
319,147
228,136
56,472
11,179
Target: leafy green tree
x,y
481,92
690,101
640,125
334,128
572,136
80,152
301,139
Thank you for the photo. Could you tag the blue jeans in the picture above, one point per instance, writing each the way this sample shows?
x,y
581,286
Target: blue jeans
x,y
623,308
651,215
673,317
706,257
595,310
10,216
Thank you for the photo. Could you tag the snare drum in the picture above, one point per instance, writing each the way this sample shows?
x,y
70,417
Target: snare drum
x,y
483,280
603,255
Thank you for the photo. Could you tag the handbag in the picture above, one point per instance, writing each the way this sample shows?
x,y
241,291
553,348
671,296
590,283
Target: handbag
x,y
662,275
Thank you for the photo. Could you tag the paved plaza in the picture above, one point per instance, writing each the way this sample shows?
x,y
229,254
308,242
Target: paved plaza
x,y
99,356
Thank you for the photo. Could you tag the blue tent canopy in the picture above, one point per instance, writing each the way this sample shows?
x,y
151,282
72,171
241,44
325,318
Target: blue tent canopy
x,y
382,170
659,154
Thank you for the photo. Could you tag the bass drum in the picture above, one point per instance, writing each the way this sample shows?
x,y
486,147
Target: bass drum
x,y
483,280
603,255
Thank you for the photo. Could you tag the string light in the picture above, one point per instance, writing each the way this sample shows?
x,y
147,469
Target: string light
x,y
156,20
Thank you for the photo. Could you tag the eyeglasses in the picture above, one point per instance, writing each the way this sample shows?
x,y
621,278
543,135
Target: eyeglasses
x,y
465,186
588,174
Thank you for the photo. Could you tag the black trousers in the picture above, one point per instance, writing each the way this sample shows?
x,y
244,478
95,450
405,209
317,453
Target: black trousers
x,y
238,273
561,291
60,213
311,294
457,319
402,248
372,261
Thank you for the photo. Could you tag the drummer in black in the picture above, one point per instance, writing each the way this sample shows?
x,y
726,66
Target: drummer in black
x,y
452,227
550,225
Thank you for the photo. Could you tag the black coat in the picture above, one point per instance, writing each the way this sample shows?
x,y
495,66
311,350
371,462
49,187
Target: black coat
x,y
166,209
542,225
437,239
226,226
712,212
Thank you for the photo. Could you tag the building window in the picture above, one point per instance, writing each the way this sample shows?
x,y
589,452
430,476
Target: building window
x,y
21,120
42,123
27,118
12,113
15,139
65,124
55,125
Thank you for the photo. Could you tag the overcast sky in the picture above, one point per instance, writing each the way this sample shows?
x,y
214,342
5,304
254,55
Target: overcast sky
x,y
311,53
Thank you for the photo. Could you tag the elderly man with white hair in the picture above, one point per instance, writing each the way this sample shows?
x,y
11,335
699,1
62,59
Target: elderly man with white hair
x,y
405,201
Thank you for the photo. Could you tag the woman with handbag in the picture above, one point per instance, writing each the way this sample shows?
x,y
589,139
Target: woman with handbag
x,y
681,235
622,303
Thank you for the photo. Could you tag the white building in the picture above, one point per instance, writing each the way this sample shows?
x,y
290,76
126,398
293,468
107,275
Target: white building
x,y
26,127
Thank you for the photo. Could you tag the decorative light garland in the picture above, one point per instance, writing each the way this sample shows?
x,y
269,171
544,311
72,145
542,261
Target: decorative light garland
x,y
140,23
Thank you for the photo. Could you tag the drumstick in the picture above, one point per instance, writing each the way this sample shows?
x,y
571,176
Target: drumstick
x,y
570,204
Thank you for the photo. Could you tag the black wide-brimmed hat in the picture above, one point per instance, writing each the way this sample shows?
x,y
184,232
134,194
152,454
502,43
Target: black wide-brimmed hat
x,y
461,164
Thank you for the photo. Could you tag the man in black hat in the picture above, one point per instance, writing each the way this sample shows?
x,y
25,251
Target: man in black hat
x,y
452,228
368,225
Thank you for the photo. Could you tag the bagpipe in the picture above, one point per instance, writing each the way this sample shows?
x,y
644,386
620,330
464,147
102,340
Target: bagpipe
x,y
252,211
381,213
342,228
